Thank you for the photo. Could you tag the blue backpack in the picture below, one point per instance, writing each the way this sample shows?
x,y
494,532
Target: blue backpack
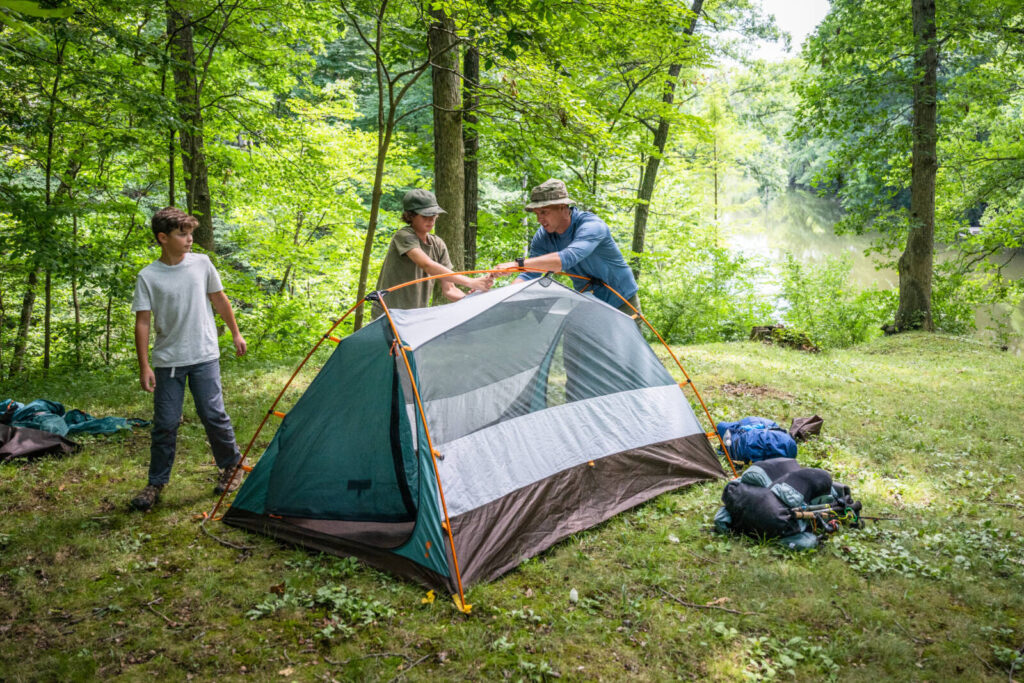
x,y
754,439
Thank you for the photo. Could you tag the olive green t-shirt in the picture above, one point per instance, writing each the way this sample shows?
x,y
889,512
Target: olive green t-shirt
x,y
399,268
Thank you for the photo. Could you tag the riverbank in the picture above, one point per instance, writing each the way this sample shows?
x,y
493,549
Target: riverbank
x,y
924,428
801,223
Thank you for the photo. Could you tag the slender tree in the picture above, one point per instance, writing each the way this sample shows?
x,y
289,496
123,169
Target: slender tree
x,y
650,171
397,68
471,146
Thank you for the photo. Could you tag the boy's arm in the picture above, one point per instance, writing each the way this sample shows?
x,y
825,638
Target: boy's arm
x,y
223,307
450,291
146,377
432,267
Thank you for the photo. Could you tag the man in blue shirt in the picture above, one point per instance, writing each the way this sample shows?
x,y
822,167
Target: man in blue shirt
x,y
575,241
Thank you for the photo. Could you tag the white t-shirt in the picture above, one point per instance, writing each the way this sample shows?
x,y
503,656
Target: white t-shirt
x,y
182,318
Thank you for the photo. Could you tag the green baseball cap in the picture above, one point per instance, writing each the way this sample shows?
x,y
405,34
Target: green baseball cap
x,y
422,202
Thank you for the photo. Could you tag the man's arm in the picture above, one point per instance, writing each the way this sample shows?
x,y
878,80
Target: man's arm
x,y
552,262
432,267
147,380
223,307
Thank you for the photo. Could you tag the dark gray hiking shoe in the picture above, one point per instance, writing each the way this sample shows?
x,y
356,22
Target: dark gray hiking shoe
x,y
147,497
230,479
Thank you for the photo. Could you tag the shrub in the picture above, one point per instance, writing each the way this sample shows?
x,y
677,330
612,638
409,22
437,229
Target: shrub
x,y
819,302
702,293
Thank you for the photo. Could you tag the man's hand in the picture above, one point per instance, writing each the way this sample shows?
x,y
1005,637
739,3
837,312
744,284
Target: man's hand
x,y
240,346
510,265
147,380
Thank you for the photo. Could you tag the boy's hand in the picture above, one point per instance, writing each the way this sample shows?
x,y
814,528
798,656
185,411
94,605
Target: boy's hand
x,y
482,283
240,346
147,379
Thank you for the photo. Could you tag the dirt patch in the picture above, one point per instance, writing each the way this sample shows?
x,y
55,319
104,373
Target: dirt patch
x,y
754,391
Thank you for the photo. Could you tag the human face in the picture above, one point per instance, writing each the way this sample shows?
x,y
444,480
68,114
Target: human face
x,y
555,218
423,224
174,245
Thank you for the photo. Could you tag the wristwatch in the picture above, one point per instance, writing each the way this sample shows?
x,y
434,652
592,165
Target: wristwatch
x,y
521,262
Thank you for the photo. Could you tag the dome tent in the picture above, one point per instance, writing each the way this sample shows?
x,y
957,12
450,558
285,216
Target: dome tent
x,y
449,444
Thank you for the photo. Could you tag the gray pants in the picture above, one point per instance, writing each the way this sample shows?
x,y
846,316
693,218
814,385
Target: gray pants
x,y
204,383
635,300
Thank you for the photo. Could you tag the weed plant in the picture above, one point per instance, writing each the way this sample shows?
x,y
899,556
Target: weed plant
x,y
926,429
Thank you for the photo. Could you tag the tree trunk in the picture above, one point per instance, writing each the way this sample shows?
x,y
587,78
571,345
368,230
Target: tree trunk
x,y
21,340
74,289
383,143
170,167
3,321
650,173
714,167
449,178
915,265
471,146
193,150
48,310
295,243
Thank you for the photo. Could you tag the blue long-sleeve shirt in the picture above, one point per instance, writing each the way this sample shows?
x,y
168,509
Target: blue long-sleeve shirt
x,y
587,248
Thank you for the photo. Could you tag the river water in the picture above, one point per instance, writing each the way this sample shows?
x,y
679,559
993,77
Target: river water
x,y
801,223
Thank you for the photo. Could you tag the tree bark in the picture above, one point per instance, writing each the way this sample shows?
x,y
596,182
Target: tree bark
x,y
471,146
449,177
3,320
190,135
650,172
170,168
48,311
915,264
74,289
21,340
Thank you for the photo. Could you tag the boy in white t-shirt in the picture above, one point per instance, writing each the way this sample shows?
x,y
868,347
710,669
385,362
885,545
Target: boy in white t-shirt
x,y
171,298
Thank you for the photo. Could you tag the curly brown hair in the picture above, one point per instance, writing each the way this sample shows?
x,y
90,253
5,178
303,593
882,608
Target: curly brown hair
x,y
167,219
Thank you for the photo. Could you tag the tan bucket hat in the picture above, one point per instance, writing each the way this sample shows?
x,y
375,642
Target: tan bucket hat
x,y
548,193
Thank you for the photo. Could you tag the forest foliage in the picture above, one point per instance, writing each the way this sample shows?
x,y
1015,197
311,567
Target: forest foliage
x,y
269,122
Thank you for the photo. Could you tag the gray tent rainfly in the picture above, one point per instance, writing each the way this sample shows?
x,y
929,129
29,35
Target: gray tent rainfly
x,y
449,444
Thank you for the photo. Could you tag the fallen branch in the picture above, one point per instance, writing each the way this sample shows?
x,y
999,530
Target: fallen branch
x,y
154,610
222,541
372,655
696,606
406,669
987,665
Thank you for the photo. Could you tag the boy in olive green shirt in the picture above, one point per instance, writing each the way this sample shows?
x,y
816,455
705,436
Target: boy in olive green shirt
x,y
415,252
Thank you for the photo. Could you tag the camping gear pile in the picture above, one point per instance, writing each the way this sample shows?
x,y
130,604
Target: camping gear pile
x,y
32,430
51,416
450,444
776,497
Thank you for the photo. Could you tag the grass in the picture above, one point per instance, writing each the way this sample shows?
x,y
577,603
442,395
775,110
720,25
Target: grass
x,y
924,428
